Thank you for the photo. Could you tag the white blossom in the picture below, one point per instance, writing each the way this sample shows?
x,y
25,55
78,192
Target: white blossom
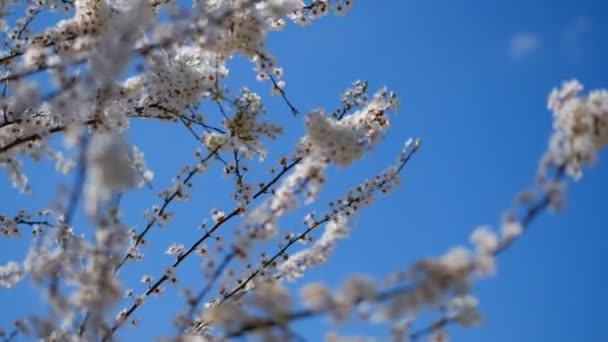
x,y
464,310
316,296
109,168
485,240
175,249
10,274
511,230
580,126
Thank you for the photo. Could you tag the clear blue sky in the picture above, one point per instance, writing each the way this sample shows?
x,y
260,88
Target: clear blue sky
x,y
473,77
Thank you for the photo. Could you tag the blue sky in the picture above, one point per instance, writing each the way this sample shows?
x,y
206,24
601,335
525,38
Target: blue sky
x,y
473,77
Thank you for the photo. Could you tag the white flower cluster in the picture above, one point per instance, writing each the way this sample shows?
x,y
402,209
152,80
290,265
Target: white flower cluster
x,y
175,249
580,126
47,260
144,174
316,296
10,274
464,310
318,253
128,21
343,141
353,97
14,168
176,81
319,8
401,304
333,139
8,227
257,305
109,168
246,129
353,291
486,243
307,177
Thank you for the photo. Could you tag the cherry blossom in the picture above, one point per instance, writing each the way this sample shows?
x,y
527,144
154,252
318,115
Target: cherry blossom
x,y
72,92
